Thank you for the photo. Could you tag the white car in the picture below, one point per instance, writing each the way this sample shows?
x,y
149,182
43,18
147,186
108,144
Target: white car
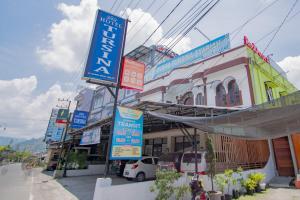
x,y
142,169
187,164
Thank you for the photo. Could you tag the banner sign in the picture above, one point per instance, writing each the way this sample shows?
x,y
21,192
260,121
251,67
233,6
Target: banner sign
x,y
58,133
62,116
127,140
91,136
132,74
103,62
202,52
79,119
51,129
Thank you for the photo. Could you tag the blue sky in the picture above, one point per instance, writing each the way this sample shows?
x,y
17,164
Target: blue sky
x,y
43,45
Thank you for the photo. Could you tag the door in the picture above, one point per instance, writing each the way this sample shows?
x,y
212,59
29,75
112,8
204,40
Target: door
x,y
148,167
283,156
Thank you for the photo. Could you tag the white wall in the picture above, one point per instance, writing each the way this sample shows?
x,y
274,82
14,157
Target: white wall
x,y
138,191
91,170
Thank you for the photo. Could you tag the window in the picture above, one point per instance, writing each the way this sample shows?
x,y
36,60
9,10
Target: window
x,y
269,93
233,93
220,95
200,99
155,160
98,101
190,158
147,161
155,147
188,99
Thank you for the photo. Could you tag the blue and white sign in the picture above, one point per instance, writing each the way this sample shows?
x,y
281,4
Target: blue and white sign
x,y
104,56
91,136
202,52
127,140
79,119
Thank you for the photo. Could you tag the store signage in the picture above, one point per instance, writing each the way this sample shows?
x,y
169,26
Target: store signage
x,y
255,49
127,140
57,134
103,62
132,74
52,128
79,119
91,136
202,52
165,50
62,116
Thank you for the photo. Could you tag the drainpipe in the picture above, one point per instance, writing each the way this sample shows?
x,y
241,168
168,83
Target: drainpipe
x,y
291,145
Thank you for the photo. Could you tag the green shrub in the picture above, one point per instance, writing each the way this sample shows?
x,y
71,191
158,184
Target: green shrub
x,y
257,177
164,185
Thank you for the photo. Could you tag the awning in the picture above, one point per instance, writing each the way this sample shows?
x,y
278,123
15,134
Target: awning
x,y
274,119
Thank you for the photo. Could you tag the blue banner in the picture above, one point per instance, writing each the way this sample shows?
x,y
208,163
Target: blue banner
x,y
79,119
91,136
106,46
127,140
202,52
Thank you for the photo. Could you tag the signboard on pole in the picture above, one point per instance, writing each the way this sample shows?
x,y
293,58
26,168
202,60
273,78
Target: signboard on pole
x,y
132,74
204,51
52,128
104,58
91,136
79,119
127,139
62,116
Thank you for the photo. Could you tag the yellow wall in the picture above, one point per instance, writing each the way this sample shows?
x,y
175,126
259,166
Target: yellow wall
x,y
262,72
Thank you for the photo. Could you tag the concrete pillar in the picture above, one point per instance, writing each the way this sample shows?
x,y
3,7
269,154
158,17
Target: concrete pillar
x,y
271,149
293,154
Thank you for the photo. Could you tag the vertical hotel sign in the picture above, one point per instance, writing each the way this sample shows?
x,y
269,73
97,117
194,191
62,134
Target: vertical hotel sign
x,y
104,58
127,140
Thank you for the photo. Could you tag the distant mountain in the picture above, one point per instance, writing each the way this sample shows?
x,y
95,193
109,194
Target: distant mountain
x,y
10,140
34,145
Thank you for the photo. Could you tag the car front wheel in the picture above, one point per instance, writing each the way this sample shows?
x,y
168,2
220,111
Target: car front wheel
x,y
140,177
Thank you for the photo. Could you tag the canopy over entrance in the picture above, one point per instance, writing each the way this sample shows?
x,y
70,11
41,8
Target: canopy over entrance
x,y
273,119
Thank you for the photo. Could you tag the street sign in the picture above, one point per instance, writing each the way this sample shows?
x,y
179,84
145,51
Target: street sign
x,y
91,136
132,74
104,58
79,119
62,116
127,140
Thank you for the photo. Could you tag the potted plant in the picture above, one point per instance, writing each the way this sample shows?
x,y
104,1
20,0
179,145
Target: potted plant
x,y
250,185
228,175
258,178
164,185
211,169
220,180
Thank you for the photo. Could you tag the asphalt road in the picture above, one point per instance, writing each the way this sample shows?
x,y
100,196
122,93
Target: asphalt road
x,y
18,184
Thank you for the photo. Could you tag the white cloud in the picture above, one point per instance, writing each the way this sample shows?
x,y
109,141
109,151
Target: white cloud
x,y
292,65
69,38
19,105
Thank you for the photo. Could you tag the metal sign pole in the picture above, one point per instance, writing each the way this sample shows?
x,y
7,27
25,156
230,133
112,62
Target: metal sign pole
x,y
114,107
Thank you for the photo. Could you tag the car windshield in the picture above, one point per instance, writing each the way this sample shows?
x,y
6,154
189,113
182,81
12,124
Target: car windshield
x,y
190,158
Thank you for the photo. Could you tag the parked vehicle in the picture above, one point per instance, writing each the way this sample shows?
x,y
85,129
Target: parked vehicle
x,y
188,162
170,161
142,169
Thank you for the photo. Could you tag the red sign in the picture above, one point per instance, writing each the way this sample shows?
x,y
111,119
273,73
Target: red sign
x,y
132,74
255,49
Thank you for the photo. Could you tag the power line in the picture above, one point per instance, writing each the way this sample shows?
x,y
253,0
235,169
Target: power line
x,y
293,6
147,9
163,21
112,7
147,21
128,6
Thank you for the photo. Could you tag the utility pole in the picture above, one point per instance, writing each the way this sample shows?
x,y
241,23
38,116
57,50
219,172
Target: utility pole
x,y
65,131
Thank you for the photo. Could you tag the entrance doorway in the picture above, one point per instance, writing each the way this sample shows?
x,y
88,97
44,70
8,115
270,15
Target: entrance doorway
x,y
283,156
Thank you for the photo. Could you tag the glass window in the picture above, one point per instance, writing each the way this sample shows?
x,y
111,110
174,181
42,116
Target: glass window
x,y
233,93
157,141
155,160
147,161
269,93
221,95
190,158
199,99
